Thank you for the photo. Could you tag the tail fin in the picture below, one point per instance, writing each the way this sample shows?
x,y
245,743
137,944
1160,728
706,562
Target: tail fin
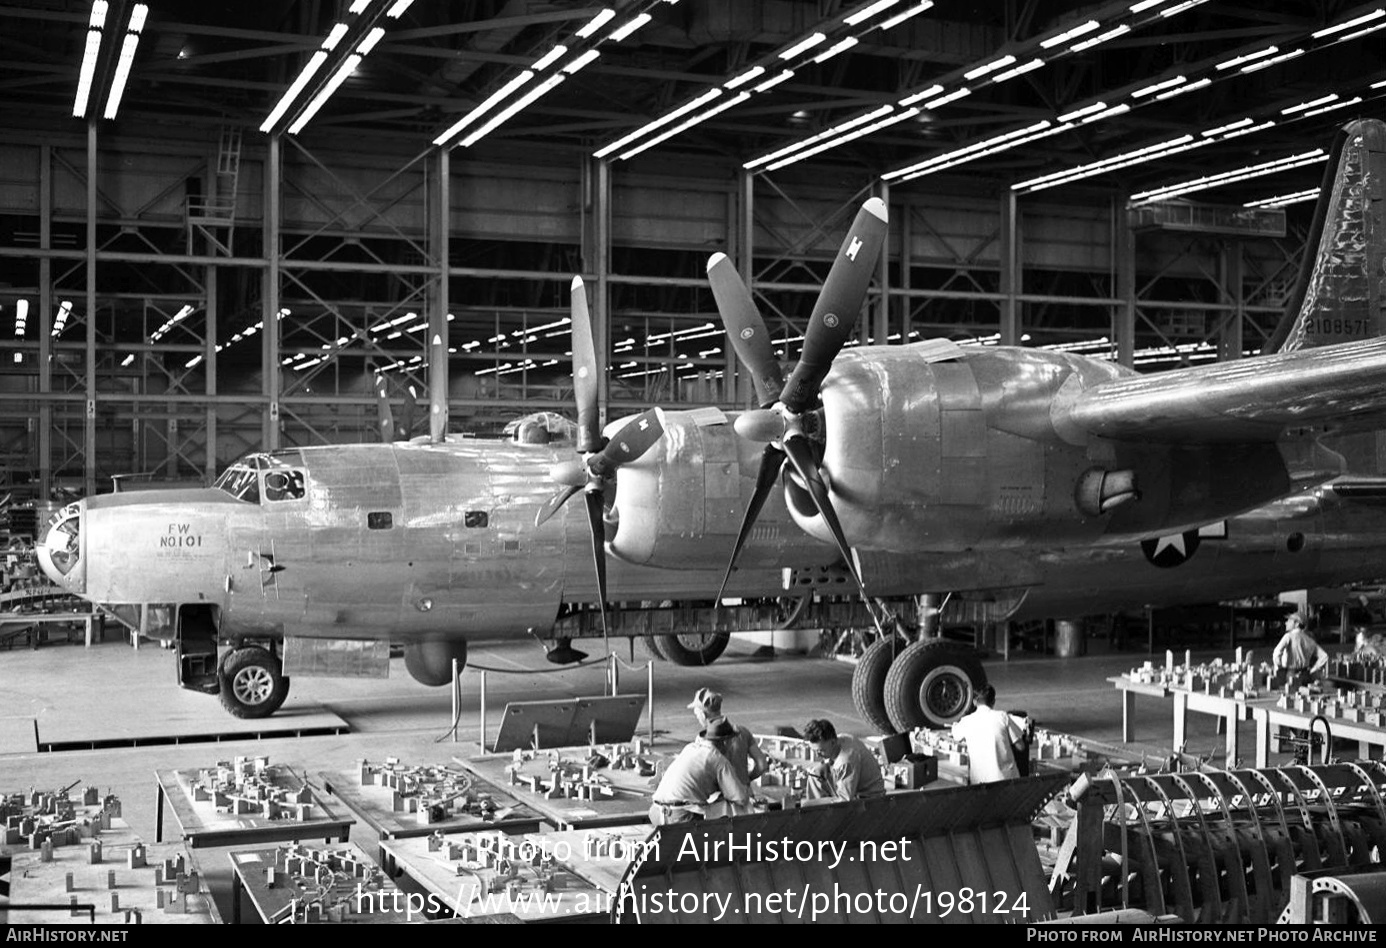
x,y
1341,290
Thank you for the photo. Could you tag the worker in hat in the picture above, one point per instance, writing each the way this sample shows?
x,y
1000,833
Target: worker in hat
x,y
850,771
742,749
700,783
1302,657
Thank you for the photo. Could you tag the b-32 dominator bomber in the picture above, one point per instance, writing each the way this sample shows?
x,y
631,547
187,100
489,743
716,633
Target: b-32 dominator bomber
x,y
906,469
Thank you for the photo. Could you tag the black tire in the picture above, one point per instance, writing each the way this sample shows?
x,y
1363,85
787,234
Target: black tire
x,y
930,684
252,683
868,682
693,648
653,647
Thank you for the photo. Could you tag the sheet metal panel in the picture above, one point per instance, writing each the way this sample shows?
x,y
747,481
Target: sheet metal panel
x,y
908,857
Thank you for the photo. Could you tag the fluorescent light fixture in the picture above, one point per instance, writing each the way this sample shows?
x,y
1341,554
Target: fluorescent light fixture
x,y
596,23
491,100
291,94
1248,130
992,66
1271,62
720,107
621,32
64,311
1283,199
1310,104
21,317
821,136
192,362
334,36
1100,38
950,97
1096,167
1228,177
1144,5
904,15
1364,32
804,45
745,77
1020,70
839,47
581,61
1082,29
95,25
771,83
850,136
1180,8
127,361
1240,60
1376,14
990,146
1231,126
397,11
127,59
867,12
1157,86
663,120
358,5
511,109
549,58
1107,113
1336,105
925,94
347,67
1180,90
1085,110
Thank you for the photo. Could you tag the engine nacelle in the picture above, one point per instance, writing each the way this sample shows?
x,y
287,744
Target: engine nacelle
x,y
680,504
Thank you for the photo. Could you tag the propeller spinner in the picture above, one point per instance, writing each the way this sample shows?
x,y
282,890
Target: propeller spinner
x,y
784,421
600,457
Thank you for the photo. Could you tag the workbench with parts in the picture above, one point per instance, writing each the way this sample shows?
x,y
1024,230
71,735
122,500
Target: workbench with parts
x,y
245,801
401,801
75,860
1241,692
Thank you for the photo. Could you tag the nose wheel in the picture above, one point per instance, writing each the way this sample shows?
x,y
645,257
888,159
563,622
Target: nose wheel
x,y
252,683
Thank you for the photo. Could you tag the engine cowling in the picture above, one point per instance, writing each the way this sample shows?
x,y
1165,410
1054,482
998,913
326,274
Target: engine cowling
x,y
680,504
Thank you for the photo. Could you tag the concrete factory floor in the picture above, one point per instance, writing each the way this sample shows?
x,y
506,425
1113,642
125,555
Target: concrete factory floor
x,y
110,691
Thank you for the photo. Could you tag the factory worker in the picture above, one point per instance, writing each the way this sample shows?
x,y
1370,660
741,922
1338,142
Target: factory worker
x,y
850,771
742,748
1298,653
990,736
701,783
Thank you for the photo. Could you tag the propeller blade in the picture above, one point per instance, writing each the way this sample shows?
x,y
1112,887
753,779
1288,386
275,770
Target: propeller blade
x,y
411,404
801,456
635,438
598,528
586,373
745,328
839,305
555,503
382,405
771,461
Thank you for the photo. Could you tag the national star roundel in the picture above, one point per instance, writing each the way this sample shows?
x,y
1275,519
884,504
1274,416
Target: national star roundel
x,y
1175,550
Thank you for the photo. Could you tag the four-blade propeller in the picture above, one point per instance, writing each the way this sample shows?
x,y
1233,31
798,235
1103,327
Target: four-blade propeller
x,y
600,457
785,421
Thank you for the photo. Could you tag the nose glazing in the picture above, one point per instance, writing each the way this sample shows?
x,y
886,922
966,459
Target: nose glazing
x,y
60,548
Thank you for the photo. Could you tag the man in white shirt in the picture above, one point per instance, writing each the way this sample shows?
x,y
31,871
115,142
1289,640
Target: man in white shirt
x,y
1298,653
989,735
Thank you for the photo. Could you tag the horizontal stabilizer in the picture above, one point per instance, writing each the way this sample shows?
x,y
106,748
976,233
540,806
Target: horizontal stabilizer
x,y
1333,388
1366,490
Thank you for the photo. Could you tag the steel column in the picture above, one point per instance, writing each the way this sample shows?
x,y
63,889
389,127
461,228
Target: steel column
x,y
880,322
45,311
601,258
89,385
438,311
209,361
1233,325
1124,313
269,307
1010,270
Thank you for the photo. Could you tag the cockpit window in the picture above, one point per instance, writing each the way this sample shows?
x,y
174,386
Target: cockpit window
x,y
283,485
284,477
240,481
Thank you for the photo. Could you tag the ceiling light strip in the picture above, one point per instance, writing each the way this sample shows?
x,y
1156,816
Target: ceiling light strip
x,y
96,24
715,110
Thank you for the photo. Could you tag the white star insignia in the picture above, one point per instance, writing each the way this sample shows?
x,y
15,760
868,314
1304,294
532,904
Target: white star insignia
x,y
1175,542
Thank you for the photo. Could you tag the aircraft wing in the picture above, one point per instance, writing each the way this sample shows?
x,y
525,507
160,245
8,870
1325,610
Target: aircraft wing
x,y
1252,400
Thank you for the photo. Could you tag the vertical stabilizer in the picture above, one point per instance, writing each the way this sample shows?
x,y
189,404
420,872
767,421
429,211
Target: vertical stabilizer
x,y
1341,290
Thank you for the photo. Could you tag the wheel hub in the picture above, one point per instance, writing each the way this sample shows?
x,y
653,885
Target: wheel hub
x,y
253,685
946,693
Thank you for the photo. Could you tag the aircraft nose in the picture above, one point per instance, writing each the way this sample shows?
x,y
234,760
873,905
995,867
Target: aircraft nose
x,y
59,549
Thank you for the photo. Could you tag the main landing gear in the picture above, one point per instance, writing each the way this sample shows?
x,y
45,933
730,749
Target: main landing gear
x,y
252,682
900,685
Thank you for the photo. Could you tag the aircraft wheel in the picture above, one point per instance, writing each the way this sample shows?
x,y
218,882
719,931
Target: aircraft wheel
x,y
930,684
252,683
868,682
693,648
653,646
